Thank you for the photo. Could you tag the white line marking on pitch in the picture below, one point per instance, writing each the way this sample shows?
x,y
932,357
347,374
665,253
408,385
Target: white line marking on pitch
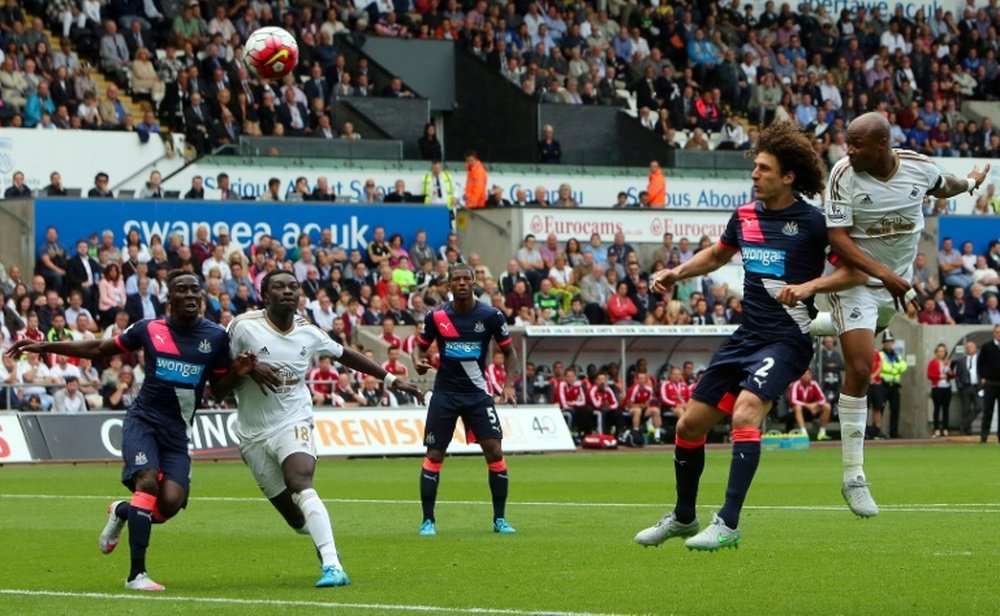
x,y
902,508
280,603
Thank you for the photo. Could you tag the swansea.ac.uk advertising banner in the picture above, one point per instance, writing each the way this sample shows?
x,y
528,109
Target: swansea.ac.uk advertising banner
x,y
352,226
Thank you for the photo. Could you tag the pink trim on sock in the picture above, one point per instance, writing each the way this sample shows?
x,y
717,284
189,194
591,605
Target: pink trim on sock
x,y
497,467
745,435
683,444
434,467
142,500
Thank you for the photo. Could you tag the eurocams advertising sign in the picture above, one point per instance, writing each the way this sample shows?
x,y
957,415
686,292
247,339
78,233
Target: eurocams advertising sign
x,y
351,225
639,226
346,432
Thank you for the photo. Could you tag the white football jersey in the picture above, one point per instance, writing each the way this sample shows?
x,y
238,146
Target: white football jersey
x,y
885,217
258,415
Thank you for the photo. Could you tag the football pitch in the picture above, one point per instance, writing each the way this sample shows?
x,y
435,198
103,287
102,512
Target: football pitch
x,y
933,549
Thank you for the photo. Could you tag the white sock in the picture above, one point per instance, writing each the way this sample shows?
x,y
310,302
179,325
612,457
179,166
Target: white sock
x,y
823,325
822,431
318,525
853,418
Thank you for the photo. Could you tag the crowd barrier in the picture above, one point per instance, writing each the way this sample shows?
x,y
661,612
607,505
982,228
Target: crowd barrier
x,y
97,435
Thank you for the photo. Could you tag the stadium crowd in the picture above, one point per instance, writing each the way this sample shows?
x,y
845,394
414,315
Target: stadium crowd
x,y
700,75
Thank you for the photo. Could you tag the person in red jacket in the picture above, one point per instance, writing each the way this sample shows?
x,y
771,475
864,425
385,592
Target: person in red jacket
x,y
475,182
321,381
656,190
620,307
940,373
571,396
496,376
675,394
642,403
805,395
603,399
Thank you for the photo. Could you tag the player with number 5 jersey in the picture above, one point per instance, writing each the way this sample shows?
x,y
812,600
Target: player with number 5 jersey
x,y
782,240
275,413
464,329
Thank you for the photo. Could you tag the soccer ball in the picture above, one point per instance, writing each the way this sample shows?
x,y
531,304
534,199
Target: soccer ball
x,y
271,53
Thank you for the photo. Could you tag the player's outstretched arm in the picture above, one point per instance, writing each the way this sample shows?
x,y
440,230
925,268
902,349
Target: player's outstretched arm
x,y
842,278
88,349
242,365
703,262
951,185
845,248
357,361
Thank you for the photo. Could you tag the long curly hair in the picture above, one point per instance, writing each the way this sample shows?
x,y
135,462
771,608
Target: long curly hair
x,y
794,150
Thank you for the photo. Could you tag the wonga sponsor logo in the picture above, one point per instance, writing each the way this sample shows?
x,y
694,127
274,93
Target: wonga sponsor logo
x,y
177,371
764,261
461,350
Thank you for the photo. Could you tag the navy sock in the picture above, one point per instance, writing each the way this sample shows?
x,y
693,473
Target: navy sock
x,y
498,488
140,524
746,457
430,476
122,510
689,462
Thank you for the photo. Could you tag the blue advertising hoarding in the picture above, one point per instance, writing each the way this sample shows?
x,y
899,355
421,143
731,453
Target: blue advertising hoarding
x,y
980,230
352,226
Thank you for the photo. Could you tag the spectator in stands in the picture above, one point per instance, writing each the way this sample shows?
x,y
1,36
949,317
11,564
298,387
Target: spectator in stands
x,y
347,132
963,312
51,260
152,189
549,149
530,261
197,190
17,189
430,147
806,396
38,104
111,294
951,265
931,314
14,84
991,311
621,309
143,304
115,57
984,276
272,192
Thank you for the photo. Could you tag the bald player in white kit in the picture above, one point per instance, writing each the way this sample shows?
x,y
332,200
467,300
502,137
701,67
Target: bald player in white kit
x,y
874,213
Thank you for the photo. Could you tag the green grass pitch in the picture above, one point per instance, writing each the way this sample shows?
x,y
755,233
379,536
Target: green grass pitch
x,y
933,550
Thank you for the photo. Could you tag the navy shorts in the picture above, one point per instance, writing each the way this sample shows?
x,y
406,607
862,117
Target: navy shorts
x,y
478,413
148,446
747,361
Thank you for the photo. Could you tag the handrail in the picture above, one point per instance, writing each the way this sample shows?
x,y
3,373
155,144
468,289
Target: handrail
x,y
172,146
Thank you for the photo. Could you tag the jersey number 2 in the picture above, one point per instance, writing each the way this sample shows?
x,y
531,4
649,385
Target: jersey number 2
x,y
763,371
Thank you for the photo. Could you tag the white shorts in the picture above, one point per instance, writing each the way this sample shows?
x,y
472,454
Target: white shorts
x,y
862,307
264,457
